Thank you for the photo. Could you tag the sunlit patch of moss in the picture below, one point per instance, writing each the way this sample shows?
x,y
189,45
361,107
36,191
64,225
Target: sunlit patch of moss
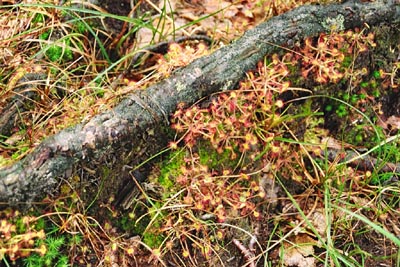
x,y
152,236
153,240
170,169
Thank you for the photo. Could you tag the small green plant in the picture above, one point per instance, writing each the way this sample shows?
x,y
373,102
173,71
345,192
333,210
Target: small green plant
x,y
341,111
34,240
58,52
53,255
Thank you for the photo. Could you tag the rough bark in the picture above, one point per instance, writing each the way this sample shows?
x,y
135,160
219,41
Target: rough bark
x,y
127,133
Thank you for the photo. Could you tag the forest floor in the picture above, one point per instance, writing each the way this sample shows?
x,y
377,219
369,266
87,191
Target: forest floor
x,y
296,167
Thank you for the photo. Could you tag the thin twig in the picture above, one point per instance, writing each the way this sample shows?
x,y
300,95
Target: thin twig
x,y
248,255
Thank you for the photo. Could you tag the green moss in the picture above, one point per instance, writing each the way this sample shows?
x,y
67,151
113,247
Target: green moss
x,y
354,99
389,152
170,169
364,84
21,226
373,84
328,108
127,221
45,35
376,74
40,224
347,61
376,93
151,236
341,111
346,97
20,152
80,27
57,53
214,160
153,240
38,18
359,138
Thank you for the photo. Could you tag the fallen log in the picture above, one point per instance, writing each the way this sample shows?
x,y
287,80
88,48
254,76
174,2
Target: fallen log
x,y
136,127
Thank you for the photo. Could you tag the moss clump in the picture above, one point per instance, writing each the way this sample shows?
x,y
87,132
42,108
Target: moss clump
x,y
57,53
213,160
171,168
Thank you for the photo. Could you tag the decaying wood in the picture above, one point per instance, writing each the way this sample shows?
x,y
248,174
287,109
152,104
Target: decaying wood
x,y
127,133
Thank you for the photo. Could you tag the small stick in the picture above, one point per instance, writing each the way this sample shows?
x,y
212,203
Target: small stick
x,y
248,255
253,240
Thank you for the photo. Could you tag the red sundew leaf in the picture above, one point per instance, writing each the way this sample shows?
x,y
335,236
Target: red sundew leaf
x,y
254,186
256,214
306,60
362,48
350,50
316,62
322,46
336,76
308,42
340,57
321,79
279,104
173,145
177,114
325,70
248,124
182,180
199,206
248,137
232,106
190,144
198,116
188,200
244,176
244,147
220,149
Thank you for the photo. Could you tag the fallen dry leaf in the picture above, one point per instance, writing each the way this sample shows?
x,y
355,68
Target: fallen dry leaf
x,y
299,253
391,123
